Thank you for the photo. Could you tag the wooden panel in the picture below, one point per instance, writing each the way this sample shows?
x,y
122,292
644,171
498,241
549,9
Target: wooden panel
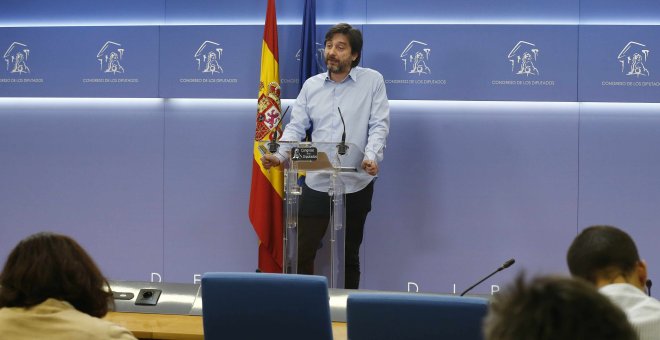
x,y
163,326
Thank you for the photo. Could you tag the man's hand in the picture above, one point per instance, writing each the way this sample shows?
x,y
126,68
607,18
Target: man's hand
x,y
269,161
370,166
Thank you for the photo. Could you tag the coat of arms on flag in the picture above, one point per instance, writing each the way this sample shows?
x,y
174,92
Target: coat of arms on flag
x,y
268,113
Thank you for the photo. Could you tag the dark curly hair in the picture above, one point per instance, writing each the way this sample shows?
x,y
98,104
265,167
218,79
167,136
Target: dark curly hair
x,y
47,265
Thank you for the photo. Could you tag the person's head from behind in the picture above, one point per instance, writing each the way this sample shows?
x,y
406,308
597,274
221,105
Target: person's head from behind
x,y
343,48
605,254
549,307
47,265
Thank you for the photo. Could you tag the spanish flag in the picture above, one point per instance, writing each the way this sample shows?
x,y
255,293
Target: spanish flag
x,y
267,191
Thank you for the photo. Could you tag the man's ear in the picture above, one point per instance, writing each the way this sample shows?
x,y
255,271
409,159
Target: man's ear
x,y
641,272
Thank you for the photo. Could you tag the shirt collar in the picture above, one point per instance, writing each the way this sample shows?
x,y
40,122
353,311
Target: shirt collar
x,y
351,75
50,306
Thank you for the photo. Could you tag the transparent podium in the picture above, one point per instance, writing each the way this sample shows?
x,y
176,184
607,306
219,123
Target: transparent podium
x,y
329,164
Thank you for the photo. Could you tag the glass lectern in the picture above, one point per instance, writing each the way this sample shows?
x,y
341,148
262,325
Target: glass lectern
x,y
329,162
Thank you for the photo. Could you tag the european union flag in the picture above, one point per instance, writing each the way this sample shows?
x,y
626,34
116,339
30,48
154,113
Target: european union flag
x,y
308,49
308,57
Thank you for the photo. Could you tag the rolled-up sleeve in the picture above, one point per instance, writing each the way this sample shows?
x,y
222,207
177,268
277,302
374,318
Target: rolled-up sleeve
x,y
379,122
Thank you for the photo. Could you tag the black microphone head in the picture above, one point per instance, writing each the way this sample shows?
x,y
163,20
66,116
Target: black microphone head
x,y
342,148
273,146
508,264
649,283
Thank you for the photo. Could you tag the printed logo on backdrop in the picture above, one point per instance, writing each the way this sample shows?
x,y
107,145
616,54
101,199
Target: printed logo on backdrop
x,y
16,59
523,59
207,61
414,58
110,58
320,63
415,62
208,56
320,56
633,58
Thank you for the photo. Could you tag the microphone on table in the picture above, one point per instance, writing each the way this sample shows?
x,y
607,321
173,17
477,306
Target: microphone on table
x,y
506,264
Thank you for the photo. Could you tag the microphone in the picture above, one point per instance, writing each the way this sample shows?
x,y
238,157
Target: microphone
x,y
273,145
342,147
506,264
649,283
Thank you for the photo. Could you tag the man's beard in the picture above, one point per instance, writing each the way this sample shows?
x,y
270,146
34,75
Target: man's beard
x,y
339,67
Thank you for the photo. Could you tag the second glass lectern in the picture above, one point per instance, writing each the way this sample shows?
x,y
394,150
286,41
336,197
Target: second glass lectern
x,y
329,164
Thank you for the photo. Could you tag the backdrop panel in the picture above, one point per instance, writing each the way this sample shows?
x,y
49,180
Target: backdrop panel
x,y
470,12
619,167
210,61
252,12
162,185
619,63
79,62
208,162
475,62
88,168
81,12
486,182
640,12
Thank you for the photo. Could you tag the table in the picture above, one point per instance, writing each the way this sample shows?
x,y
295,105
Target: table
x,y
177,327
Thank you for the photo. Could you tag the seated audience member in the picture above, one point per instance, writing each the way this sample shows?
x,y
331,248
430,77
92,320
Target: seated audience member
x,y
607,257
50,288
552,308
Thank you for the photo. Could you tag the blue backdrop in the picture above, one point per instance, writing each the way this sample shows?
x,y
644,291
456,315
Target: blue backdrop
x,y
513,127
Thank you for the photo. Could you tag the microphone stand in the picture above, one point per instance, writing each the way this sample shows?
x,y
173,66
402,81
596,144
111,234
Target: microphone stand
x,y
342,147
506,264
273,145
482,280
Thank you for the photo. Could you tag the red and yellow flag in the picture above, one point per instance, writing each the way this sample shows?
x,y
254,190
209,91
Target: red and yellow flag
x,y
267,192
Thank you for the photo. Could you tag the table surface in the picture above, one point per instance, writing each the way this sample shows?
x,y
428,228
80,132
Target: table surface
x,y
165,326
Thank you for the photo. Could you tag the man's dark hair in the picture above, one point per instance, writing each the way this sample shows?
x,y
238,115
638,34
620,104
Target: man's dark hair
x,y
602,251
354,39
47,265
549,308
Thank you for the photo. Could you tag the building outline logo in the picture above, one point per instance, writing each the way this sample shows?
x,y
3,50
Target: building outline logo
x,y
634,56
16,56
320,57
415,56
522,58
110,56
208,57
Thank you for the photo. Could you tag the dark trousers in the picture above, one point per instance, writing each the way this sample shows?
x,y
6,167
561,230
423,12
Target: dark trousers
x,y
313,222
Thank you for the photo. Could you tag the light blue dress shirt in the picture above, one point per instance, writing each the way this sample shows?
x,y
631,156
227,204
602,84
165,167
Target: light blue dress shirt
x,y
362,98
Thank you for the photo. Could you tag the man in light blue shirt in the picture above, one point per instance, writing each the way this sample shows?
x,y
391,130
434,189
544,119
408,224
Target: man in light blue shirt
x,y
360,95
